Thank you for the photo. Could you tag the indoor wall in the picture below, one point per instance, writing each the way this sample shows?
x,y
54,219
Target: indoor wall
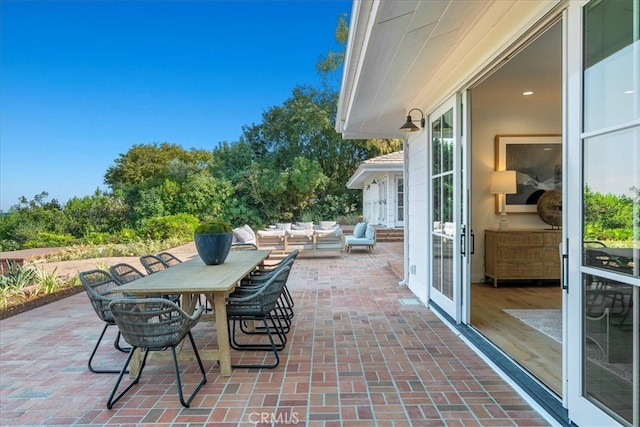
x,y
499,108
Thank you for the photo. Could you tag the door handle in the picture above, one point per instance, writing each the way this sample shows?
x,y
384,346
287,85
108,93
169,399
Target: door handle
x,y
564,263
473,242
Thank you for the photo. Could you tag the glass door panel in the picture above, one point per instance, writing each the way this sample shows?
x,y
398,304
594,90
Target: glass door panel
x,y
606,387
445,277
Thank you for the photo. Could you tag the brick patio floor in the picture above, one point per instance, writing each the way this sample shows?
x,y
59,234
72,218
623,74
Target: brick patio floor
x,y
356,356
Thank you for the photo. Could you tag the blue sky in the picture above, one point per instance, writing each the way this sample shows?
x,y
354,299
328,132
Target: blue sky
x,y
81,82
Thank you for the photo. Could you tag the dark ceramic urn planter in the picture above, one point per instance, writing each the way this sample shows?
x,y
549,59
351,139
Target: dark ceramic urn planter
x,y
213,248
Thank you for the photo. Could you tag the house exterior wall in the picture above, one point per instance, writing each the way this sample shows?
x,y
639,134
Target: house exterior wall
x,y
502,34
372,203
417,214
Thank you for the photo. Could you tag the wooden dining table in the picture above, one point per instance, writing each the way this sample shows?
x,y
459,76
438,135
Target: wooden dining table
x,y
194,278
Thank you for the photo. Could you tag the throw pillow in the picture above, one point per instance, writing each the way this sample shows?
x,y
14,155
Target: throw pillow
x,y
283,226
241,234
244,234
305,225
370,232
359,229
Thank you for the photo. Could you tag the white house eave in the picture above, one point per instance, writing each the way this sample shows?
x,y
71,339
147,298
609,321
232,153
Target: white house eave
x,y
414,54
366,172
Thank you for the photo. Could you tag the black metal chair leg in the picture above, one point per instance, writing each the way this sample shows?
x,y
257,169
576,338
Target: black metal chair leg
x,y
267,330
177,370
95,349
268,366
124,370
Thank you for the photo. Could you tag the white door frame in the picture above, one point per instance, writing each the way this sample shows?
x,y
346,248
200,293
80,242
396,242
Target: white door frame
x,y
452,306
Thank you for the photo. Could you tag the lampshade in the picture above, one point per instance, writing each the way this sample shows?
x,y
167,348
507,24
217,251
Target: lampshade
x,y
409,126
503,182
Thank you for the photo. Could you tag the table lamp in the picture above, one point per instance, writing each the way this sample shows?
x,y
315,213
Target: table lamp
x,y
503,183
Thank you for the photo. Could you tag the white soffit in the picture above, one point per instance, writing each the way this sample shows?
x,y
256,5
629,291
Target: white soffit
x,y
414,54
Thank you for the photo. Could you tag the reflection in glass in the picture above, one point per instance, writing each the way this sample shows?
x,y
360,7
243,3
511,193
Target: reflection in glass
x,y
437,263
447,198
436,197
436,148
611,92
609,338
447,267
442,145
612,200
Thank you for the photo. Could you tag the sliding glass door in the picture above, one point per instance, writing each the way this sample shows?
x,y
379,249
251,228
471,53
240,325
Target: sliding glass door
x,y
605,286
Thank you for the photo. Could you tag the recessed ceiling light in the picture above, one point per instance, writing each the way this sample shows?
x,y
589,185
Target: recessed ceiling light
x,y
628,92
527,93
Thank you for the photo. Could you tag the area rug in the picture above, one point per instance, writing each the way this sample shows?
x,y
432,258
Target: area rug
x,y
549,322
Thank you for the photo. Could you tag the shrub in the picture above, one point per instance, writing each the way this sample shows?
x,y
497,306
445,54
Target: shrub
x,y
96,238
171,226
213,226
49,240
17,276
47,282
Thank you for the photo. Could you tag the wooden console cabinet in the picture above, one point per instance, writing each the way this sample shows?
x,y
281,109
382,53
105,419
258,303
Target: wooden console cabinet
x,y
522,254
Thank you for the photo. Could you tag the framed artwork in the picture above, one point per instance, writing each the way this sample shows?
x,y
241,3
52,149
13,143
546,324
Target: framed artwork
x,y
537,160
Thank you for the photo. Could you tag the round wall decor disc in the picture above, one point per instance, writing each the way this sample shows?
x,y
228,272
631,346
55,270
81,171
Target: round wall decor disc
x,y
550,207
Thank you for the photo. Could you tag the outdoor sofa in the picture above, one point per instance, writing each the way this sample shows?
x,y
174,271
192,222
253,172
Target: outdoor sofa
x,y
306,237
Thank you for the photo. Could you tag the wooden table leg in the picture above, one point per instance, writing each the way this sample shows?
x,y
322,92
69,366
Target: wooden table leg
x,y
224,351
135,363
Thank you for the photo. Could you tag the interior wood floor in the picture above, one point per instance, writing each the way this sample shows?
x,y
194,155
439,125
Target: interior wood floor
x,y
535,351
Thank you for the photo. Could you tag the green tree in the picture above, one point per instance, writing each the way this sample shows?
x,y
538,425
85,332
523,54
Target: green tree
x,y
329,65
31,219
99,213
203,196
146,162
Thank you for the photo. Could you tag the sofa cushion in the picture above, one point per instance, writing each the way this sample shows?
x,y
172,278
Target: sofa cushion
x,y
307,233
358,241
327,225
271,233
244,234
283,226
359,229
325,233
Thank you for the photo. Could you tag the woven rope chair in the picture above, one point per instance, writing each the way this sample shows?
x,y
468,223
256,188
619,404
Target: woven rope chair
x,y
258,305
169,259
154,324
153,264
263,273
101,289
284,306
125,273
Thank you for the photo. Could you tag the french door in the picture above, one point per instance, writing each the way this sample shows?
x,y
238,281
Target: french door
x,y
447,255
604,239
